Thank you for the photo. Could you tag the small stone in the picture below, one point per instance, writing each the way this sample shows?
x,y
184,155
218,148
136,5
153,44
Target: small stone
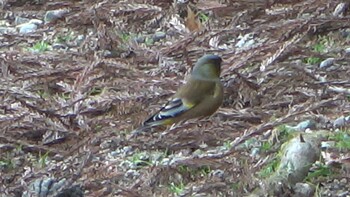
x,y
27,28
4,23
158,36
127,150
75,191
132,174
114,153
140,39
245,41
79,40
340,9
328,144
255,152
218,173
307,124
53,15
36,21
297,157
20,20
303,189
347,51
44,187
59,46
342,193
343,181
6,30
327,62
345,33
341,122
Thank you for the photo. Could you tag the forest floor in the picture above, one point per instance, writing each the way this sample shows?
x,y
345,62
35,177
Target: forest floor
x,y
78,76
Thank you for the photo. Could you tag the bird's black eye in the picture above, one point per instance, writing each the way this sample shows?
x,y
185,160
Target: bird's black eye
x,y
216,59
217,62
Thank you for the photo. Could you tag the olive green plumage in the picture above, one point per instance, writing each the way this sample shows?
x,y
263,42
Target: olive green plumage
x,y
201,96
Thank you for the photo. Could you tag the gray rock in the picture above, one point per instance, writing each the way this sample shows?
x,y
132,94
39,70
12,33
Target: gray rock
x,y
341,122
36,22
44,187
343,181
307,124
218,173
75,191
53,15
345,33
327,63
79,40
347,51
27,28
20,20
297,157
255,152
340,9
57,46
133,174
342,193
6,30
303,190
245,41
158,36
328,144
140,39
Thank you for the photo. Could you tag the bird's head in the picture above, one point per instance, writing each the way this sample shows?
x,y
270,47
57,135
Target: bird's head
x,y
207,67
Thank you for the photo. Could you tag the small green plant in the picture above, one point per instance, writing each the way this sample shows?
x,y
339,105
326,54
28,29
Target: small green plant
x,y
285,132
7,162
235,186
321,171
140,159
40,47
204,170
19,148
269,169
313,60
43,94
227,145
183,169
203,17
125,37
326,41
64,95
96,91
266,146
43,159
177,189
342,139
64,38
319,47
250,143
97,128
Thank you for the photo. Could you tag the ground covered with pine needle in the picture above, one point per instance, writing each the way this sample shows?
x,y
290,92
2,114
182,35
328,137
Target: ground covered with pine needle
x,y
78,76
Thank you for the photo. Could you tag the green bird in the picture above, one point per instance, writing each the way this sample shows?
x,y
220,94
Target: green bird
x,y
200,96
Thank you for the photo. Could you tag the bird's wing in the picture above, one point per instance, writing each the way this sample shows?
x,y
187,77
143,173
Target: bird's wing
x,y
186,98
173,108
